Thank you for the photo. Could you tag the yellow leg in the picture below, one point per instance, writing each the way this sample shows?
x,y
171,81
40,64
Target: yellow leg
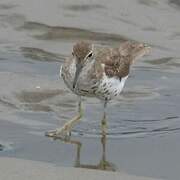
x,y
104,125
104,121
65,131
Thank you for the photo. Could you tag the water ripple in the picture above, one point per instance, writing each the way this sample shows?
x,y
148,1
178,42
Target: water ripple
x,y
38,54
83,7
69,33
38,96
128,128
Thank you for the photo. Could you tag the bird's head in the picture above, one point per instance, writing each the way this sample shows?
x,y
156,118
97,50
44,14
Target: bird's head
x,y
82,52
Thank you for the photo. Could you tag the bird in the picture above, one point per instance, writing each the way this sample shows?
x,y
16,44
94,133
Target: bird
x,y
97,72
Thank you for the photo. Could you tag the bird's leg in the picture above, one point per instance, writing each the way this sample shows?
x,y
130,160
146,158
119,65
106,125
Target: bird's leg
x,y
104,121
65,131
103,163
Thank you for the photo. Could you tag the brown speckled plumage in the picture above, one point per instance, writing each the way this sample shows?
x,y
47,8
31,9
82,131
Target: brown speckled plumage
x,y
117,61
111,62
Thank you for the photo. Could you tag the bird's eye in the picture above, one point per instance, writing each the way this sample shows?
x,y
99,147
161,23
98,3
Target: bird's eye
x,y
90,54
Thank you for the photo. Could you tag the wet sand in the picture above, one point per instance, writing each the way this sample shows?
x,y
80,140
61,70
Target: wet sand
x,y
19,169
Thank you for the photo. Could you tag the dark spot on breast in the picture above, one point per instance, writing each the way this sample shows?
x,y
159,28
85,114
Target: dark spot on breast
x,y
106,91
120,79
104,85
94,87
94,82
84,90
96,91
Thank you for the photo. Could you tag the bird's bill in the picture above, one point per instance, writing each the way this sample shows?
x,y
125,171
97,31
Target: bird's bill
x,y
78,70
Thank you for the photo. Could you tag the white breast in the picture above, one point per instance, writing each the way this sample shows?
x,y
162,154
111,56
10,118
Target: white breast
x,y
111,86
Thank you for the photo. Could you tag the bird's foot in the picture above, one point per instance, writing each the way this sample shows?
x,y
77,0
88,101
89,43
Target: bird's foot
x,y
61,133
64,133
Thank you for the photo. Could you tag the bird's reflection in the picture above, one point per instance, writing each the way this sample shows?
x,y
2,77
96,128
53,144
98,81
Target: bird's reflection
x,y
103,164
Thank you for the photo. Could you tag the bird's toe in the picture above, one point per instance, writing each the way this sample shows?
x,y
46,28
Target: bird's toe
x,y
59,134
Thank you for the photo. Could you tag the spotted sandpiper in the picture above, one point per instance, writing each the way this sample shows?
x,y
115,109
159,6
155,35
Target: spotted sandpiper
x,y
99,73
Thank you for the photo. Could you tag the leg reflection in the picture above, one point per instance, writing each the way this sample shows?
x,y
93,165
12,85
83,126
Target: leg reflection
x,y
103,163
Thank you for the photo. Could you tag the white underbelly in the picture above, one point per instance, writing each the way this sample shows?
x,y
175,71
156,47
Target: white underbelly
x,y
110,87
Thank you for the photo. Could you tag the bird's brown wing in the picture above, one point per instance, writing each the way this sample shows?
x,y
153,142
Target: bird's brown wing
x,y
117,61
115,64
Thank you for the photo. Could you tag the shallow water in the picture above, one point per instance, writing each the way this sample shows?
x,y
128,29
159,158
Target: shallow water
x,y
143,123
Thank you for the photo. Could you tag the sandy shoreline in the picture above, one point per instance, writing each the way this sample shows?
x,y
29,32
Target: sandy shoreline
x,y
17,169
